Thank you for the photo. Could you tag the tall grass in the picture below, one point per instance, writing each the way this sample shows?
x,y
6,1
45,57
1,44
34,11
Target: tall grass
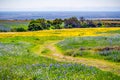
x,y
94,47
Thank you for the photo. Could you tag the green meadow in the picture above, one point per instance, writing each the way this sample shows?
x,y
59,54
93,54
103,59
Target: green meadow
x,y
60,57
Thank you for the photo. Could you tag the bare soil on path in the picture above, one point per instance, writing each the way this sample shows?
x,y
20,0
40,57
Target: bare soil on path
x,y
57,55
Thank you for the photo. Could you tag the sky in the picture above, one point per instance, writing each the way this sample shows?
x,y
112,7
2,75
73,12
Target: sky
x,y
59,5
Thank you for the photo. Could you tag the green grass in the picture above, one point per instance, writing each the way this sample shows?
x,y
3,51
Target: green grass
x,y
116,31
7,25
111,32
46,51
18,62
92,47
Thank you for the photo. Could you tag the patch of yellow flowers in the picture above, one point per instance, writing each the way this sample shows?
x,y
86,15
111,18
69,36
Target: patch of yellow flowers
x,y
61,32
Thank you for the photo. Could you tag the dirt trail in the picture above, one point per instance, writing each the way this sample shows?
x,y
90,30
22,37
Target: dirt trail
x,y
101,64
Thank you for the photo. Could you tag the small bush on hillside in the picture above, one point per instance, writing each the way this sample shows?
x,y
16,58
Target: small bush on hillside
x,y
18,30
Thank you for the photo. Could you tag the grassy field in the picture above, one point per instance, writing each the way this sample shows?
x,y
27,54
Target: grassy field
x,y
8,25
61,54
107,48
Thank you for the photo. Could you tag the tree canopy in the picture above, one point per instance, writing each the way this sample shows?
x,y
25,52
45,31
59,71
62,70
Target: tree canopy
x,y
73,22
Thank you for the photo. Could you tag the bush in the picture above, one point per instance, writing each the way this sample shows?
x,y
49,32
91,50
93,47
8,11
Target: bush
x,y
18,30
39,24
72,22
34,27
99,24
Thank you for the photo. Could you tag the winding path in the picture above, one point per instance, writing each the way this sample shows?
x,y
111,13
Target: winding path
x,y
101,64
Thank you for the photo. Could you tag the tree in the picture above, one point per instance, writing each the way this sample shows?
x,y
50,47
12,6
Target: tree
x,y
35,27
82,19
49,22
39,24
42,20
73,21
90,23
99,24
57,21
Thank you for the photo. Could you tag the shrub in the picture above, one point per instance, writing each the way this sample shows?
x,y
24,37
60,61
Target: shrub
x,y
18,30
39,24
34,27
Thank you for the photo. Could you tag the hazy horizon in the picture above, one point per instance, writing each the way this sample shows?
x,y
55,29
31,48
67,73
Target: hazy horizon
x,y
59,5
